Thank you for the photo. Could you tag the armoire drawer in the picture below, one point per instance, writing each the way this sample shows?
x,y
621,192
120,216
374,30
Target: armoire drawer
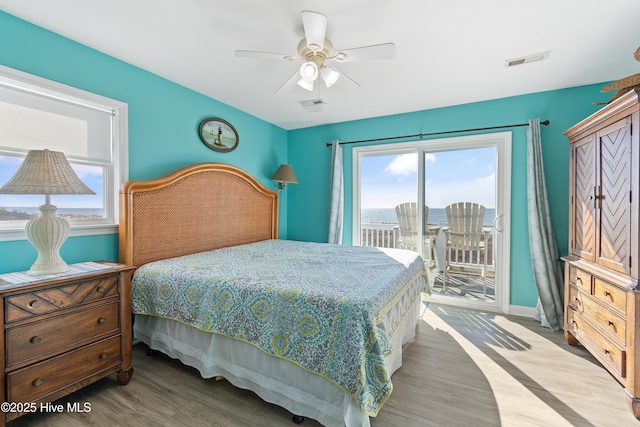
x,y
606,349
612,296
605,319
583,280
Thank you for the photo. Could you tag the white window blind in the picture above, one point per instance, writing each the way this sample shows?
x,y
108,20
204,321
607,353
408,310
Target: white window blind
x,y
33,121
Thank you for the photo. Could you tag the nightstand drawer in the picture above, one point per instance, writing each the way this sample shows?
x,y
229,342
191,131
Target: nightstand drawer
x,y
35,340
613,354
612,296
36,381
57,298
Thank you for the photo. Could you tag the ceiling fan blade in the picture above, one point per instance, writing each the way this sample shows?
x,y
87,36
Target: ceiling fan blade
x,y
260,55
315,27
367,53
289,85
346,83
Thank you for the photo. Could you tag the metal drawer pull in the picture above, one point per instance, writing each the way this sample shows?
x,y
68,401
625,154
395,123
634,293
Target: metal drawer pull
x,y
38,382
609,323
35,340
102,320
605,351
606,293
578,279
34,304
101,290
576,299
103,356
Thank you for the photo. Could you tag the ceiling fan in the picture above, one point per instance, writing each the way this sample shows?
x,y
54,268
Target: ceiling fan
x,y
315,51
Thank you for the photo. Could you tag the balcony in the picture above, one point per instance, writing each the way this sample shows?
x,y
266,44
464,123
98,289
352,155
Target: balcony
x,y
462,282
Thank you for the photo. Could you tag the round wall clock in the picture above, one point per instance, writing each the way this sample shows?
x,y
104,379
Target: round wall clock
x,y
218,134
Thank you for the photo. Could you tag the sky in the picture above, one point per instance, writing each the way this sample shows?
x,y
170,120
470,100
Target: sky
x,y
450,176
90,175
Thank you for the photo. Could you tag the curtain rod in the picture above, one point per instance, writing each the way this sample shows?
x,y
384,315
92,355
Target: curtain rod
x,y
420,135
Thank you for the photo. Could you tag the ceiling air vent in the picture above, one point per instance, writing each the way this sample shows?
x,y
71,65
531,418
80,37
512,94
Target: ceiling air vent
x,y
527,59
313,105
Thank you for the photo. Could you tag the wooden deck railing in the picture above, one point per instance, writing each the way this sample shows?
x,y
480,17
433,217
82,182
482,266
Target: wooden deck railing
x,y
380,235
387,235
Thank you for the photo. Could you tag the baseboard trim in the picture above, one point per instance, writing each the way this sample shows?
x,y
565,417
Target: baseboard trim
x,y
522,311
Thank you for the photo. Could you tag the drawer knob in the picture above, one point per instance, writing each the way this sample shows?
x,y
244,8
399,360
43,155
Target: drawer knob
x,y
102,320
606,293
34,304
35,340
38,382
578,279
609,323
577,300
605,351
103,356
101,290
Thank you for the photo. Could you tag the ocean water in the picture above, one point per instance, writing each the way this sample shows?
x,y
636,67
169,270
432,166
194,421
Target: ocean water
x,y
436,216
60,211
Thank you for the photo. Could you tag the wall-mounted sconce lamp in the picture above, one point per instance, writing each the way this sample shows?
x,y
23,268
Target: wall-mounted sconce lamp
x,y
283,176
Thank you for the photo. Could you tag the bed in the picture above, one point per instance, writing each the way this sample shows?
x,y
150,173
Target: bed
x,y
315,328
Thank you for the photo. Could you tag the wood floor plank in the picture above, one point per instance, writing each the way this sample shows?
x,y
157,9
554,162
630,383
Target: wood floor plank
x,y
465,367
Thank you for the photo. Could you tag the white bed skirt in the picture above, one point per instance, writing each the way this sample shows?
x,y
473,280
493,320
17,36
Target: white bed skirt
x,y
275,380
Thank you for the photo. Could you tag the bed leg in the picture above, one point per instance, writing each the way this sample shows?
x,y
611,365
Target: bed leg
x,y
298,419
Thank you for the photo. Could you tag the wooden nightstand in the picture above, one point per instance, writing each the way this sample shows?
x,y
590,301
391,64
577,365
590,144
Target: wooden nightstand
x,y
63,332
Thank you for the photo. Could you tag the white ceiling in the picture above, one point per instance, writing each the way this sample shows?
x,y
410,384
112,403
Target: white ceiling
x,y
448,52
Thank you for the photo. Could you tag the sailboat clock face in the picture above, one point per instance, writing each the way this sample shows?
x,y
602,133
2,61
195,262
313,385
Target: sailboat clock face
x,y
218,134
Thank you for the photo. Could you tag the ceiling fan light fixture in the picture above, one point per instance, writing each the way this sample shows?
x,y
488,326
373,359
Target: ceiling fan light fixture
x,y
309,71
329,75
305,84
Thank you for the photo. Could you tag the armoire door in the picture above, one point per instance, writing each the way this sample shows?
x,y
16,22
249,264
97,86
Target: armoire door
x,y
613,196
583,158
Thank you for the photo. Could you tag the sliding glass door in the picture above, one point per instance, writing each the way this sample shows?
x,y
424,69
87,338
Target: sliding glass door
x,y
447,199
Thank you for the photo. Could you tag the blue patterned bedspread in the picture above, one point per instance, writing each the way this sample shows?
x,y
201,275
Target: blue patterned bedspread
x,y
330,309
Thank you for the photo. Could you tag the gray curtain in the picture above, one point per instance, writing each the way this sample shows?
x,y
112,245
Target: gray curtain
x,y
542,241
336,189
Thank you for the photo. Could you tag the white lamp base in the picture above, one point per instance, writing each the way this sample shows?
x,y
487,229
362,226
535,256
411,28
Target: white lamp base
x,y
47,233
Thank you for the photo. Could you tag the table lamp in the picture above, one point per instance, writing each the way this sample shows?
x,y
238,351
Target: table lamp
x,y
46,172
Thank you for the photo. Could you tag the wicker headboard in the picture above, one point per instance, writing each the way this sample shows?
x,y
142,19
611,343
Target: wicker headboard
x,y
197,208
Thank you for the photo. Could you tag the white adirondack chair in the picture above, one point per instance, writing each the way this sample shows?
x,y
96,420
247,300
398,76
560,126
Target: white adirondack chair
x,y
407,214
465,238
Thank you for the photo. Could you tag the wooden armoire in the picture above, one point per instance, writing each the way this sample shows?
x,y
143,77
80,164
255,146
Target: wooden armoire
x,y
602,300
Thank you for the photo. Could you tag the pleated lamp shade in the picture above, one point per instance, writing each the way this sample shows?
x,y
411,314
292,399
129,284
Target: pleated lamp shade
x,y
46,172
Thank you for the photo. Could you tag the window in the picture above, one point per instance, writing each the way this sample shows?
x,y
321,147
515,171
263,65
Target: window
x,y
89,129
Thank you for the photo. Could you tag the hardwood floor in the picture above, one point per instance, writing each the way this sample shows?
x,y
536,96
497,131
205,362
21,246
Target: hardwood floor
x,y
464,368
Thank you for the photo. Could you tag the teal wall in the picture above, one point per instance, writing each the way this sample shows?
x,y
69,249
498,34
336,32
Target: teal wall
x,y
310,157
163,123
163,119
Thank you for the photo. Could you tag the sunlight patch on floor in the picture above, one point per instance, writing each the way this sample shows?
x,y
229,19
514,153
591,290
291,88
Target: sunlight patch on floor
x,y
537,410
